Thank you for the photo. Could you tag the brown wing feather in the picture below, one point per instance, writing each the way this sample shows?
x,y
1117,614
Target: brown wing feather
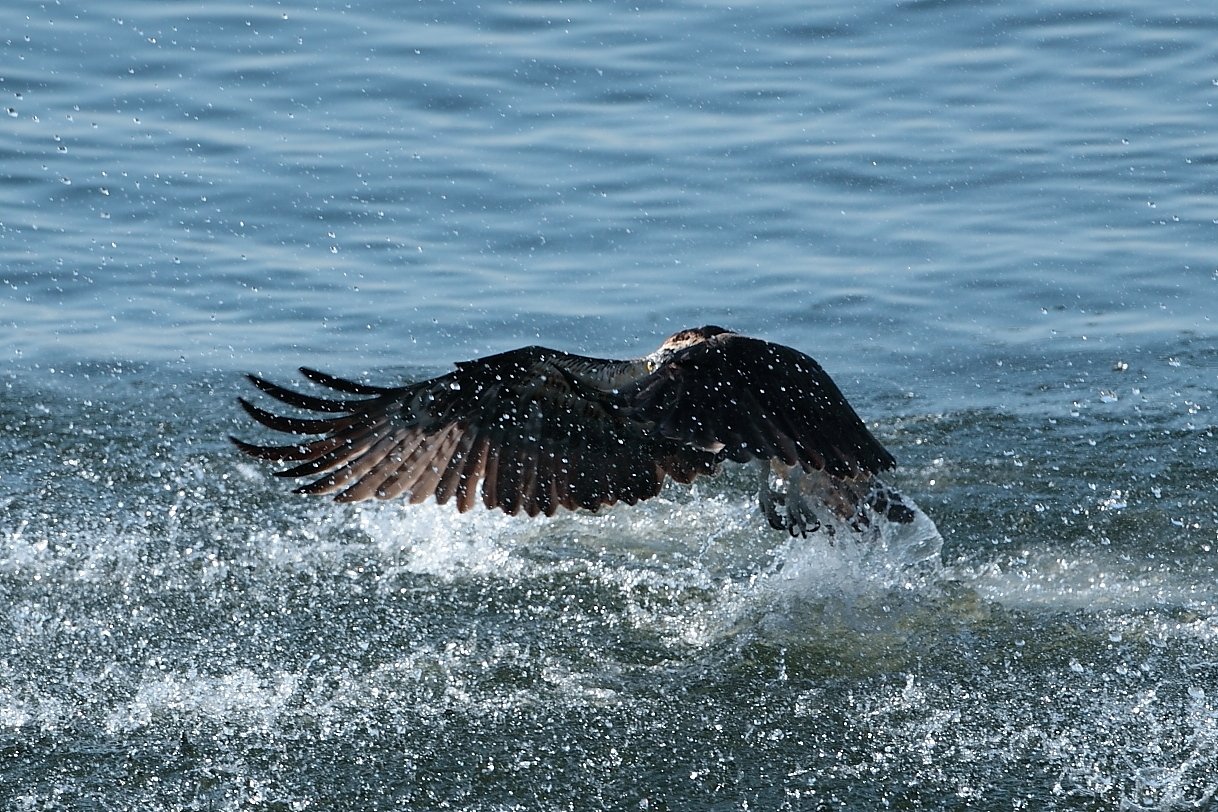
x,y
539,428
757,400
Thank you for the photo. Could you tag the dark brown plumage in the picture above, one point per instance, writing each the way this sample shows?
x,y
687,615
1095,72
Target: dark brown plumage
x,y
536,429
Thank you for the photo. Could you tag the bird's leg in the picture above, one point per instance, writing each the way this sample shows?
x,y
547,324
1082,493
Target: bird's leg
x,y
801,519
767,497
797,516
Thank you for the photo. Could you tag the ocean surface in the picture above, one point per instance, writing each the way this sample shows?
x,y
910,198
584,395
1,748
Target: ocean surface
x,y
995,224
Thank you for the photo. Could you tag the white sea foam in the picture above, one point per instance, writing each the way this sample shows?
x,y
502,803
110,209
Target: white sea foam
x,y
1087,578
239,695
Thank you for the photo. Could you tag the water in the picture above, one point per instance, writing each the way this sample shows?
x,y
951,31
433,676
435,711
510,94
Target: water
x,y
995,225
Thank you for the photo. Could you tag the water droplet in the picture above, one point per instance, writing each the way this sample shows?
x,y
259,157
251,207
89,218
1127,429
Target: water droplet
x,y
12,112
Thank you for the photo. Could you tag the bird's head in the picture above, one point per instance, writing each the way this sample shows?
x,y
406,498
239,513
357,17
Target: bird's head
x,y
680,340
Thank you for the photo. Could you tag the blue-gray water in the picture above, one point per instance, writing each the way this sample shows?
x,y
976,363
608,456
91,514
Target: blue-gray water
x,y
995,224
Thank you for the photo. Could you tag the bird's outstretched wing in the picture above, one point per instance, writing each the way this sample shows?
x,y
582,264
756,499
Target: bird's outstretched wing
x,y
745,399
538,428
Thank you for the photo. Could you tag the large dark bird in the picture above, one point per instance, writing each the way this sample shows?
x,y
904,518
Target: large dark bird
x,y
541,429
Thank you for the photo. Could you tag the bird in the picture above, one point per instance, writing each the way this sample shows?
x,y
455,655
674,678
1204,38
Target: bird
x,y
534,430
